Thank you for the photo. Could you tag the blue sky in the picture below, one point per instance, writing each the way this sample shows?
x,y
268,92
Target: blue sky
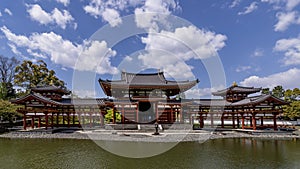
x,y
256,42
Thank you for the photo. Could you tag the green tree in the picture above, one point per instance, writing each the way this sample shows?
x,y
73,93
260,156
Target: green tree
x,y
292,111
30,74
8,111
292,94
265,91
109,115
278,91
7,72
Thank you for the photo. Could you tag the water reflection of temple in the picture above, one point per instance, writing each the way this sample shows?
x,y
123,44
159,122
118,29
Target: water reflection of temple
x,y
146,98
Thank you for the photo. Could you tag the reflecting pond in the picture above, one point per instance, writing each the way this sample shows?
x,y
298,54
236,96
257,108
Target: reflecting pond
x,y
221,153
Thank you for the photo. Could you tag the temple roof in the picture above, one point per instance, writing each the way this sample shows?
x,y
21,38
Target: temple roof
x,y
255,100
236,89
33,96
64,102
50,88
248,101
145,81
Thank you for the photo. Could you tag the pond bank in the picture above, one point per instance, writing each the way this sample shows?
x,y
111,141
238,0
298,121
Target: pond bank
x,y
136,136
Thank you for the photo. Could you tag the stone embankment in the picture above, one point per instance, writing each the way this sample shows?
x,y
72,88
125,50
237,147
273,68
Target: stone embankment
x,y
136,136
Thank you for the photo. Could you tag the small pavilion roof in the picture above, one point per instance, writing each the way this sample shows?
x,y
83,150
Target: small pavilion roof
x,y
33,96
50,88
255,100
236,89
64,102
248,101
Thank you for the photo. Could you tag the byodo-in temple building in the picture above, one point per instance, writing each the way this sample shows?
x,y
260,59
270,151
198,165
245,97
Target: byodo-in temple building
x,y
148,98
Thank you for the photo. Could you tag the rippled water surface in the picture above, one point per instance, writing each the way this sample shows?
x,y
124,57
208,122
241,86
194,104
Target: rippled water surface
x,y
222,153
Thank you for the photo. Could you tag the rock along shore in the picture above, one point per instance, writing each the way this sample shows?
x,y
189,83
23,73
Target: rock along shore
x,y
163,137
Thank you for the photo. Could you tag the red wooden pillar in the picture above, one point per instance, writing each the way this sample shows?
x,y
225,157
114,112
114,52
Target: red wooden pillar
x,y
68,119
274,121
123,114
39,122
83,118
57,119
137,113
73,119
181,115
101,118
233,120
243,121
171,118
32,122
253,121
91,118
222,121
52,120
201,121
114,116
24,121
46,118
63,116
156,112
211,120
79,119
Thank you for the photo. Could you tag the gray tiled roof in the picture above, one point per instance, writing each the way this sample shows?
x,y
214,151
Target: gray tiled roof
x,y
236,89
254,100
157,79
49,88
37,97
84,101
259,99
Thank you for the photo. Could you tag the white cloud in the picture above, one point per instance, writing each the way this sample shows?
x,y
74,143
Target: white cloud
x,y
169,50
14,49
243,68
128,58
285,20
36,54
197,93
85,93
0,14
234,3
258,52
283,4
291,4
186,42
64,52
154,11
109,10
112,17
38,14
291,49
252,7
65,2
285,15
146,11
61,18
288,79
6,10
96,53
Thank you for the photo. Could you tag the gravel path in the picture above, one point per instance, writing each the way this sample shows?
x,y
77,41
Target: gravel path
x,y
135,136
